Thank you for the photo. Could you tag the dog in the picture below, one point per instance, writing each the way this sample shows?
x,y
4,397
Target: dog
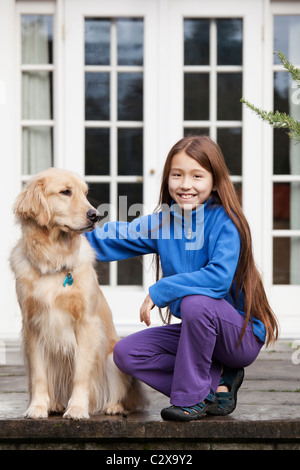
x,y
67,326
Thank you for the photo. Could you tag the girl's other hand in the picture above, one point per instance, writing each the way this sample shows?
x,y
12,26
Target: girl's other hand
x,y
148,305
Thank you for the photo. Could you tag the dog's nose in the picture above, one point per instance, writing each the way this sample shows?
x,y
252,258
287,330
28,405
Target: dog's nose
x,y
93,215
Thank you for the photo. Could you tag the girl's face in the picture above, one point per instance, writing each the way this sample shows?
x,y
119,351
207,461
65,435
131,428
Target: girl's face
x,y
189,183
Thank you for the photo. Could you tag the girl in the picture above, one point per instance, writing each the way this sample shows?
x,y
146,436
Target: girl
x,y
202,242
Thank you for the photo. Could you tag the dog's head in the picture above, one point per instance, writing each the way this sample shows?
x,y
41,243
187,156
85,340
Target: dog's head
x,y
57,198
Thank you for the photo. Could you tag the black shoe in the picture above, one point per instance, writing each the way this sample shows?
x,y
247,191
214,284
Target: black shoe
x,y
188,413
226,401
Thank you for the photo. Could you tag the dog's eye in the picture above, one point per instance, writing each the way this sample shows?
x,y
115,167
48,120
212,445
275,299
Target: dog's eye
x,y
66,192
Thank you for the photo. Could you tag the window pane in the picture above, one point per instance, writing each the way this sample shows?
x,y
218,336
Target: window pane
x,y
130,96
195,131
130,198
281,260
239,191
130,41
286,260
97,41
196,41
230,41
97,151
228,96
97,96
37,149
281,152
130,151
37,95
102,270
281,206
230,141
37,39
196,96
282,84
287,37
99,194
130,272
286,202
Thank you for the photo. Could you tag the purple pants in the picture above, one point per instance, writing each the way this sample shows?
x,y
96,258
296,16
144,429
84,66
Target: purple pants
x,y
184,360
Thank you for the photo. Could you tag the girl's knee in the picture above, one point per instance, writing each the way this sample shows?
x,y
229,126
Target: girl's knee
x,y
196,307
120,355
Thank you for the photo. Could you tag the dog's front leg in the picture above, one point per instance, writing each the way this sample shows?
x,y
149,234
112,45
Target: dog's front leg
x,y
87,344
38,384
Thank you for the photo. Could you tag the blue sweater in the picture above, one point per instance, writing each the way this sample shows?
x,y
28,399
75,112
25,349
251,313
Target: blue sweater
x,y
199,254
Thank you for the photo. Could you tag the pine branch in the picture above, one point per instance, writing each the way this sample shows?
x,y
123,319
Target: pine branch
x,y
294,72
277,120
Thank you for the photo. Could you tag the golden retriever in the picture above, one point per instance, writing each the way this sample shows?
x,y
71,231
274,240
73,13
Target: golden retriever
x,y
68,331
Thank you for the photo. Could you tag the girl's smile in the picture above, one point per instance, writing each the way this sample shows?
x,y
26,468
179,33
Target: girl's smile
x,y
189,183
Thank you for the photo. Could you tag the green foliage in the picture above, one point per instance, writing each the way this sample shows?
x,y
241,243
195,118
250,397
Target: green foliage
x,y
293,71
277,119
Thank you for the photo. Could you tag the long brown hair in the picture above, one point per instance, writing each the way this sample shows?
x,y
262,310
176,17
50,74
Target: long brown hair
x,y
247,278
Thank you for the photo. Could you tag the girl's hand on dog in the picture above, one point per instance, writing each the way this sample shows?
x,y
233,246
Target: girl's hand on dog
x,y
147,306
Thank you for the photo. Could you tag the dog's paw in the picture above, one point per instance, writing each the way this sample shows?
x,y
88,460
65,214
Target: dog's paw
x,y
36,411
76,413
116,409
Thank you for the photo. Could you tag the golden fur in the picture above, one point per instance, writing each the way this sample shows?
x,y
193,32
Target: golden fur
x,y
68,332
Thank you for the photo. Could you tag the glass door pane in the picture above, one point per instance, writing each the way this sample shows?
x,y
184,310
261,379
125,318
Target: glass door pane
x,y
114,109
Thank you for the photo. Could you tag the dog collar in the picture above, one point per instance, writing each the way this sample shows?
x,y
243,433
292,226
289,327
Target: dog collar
x,y
68,280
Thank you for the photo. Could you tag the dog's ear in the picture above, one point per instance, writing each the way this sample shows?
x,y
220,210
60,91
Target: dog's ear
x,y
32,203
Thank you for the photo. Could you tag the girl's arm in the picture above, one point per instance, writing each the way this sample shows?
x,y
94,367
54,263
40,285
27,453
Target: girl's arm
x,y
122,240
213,280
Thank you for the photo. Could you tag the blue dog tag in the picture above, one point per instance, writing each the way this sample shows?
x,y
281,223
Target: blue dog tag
x,y
68,280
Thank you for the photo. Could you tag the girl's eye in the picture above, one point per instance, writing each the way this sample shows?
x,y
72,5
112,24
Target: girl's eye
x,y
66,192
